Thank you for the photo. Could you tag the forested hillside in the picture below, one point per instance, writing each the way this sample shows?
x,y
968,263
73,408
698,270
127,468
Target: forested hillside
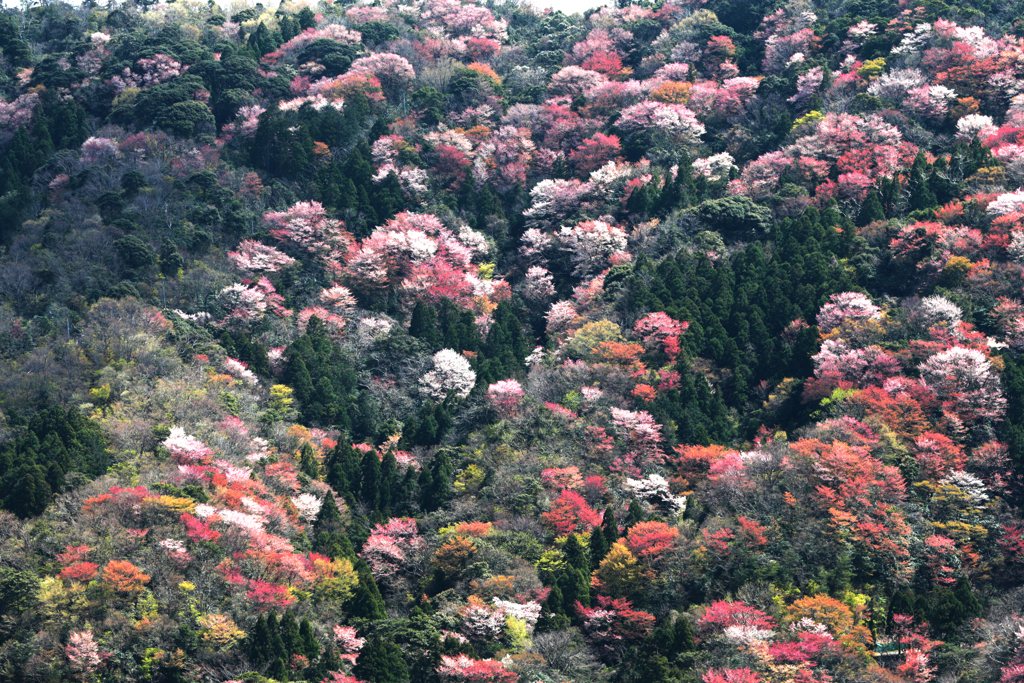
x,y
445,342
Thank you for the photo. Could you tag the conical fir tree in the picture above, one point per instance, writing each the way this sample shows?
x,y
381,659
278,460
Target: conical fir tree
x,y
381,662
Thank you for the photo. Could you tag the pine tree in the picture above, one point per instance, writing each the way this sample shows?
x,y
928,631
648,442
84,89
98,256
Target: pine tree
x,y
258,643
289,629
310,645
598,548
381,662
576,554
436,482
308,463
634,514
278,671
871,210
609,526
370,480
276,648
423,324
389,482
329,537
366,601
921,195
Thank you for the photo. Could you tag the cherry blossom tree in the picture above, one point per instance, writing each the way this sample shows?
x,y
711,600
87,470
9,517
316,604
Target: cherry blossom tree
x,y
591,244
846,307
306,225
394,72
255,257
660,329
463,668
505,396
389,547
964,380
83,653
674,120
451,375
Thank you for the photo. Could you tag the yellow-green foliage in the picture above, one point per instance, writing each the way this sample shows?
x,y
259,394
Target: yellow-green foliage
x,y
590,335
808,119
470,479
872,69
516,633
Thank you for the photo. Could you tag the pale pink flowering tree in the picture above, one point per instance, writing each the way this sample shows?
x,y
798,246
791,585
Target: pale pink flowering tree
x,y
807,84
308,505
780,50
83,653
574,81
675,120
714,167
394,72
148,72
980,125
642,437
338,299
240,370
186,449
929,101
254,257
247,121
451,375
14,115
554,199
482,622
964,379
590,244
388,547
536,245
846,307
539,285
660,329
561,317
836,362
307,226
1008,202
348,642
895,84
334,323
248,303
99,150
505,396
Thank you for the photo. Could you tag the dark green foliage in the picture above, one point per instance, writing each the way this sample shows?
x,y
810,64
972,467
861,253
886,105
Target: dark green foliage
x,y
370,483
507,345
307,462
1013,426
871,210
333,398
366,601
598,548
436,481
381,662
735,215
329,537
51,444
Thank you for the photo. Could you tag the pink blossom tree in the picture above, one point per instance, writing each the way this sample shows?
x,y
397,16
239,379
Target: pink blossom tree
x,y
255,257
394,72
964,380
83,654
505,396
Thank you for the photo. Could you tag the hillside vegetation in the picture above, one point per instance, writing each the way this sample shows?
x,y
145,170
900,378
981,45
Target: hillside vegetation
x,y
446,342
